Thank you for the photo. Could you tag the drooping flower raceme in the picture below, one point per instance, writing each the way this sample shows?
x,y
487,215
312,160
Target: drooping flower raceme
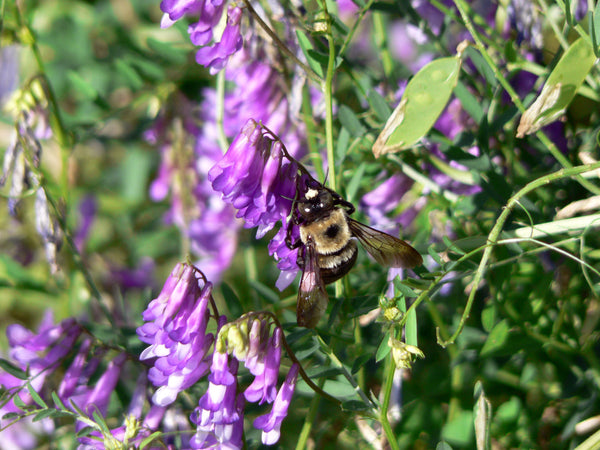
x,y
219,417
175,328
209,14
258,177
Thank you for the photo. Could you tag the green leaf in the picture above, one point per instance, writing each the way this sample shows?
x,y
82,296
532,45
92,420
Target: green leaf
x,y
82,86
437,258
379,105
46,413
509,412
443,445
265,291
481,65
355,181
383,349
560,88
10,416
355,405
147,441
360,361
488,317
167,51
459,431
132,78
594,25
13,370
469,102
350,122
422,103
496,338
232,300
404,289
35,396
308,50
86,431
57,401
19,403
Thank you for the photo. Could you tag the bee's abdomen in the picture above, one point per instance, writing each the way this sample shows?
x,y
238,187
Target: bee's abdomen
x,y
335,265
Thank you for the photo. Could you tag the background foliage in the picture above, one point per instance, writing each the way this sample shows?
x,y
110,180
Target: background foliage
x,y
526,285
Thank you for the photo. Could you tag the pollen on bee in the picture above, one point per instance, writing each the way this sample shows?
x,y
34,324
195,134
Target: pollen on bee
x,y
311,193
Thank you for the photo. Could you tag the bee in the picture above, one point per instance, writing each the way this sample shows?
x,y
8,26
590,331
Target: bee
x,y
328,250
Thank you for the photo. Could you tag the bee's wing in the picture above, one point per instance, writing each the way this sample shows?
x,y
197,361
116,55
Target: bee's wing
x,y
386,249
312,297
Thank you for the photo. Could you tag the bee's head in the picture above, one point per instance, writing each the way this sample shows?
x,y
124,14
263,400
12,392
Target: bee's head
x,y
315,202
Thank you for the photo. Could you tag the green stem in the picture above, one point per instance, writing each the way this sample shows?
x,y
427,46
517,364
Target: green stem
x,y
220,113
492,239
463,9
337,363
58,127
383,415
328,94
311,73
309,123
350,35
310,419
381,43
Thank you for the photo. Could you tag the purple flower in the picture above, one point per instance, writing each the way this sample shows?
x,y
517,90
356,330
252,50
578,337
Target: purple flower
x,y
524,18
251,179
9,71
385,198
42,352
95,398
87,211
258,178
175,328
209,13
264,387
216,56
219,416
270,423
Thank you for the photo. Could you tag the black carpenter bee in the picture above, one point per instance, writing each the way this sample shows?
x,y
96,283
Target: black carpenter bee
x,y
328,251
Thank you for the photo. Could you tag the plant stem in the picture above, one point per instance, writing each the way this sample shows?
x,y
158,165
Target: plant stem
x,y
385,423
311,73
220,112
492,239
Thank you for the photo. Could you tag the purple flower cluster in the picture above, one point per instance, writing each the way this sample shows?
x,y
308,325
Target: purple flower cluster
x,y
258,178
182,352
86,384
219,416
175,327
209,14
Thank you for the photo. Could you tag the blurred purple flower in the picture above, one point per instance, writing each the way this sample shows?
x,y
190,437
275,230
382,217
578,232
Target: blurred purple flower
x,y
524,18
270,423
44,351
9,71
581,9
87,211
383,199
175,327
140,277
